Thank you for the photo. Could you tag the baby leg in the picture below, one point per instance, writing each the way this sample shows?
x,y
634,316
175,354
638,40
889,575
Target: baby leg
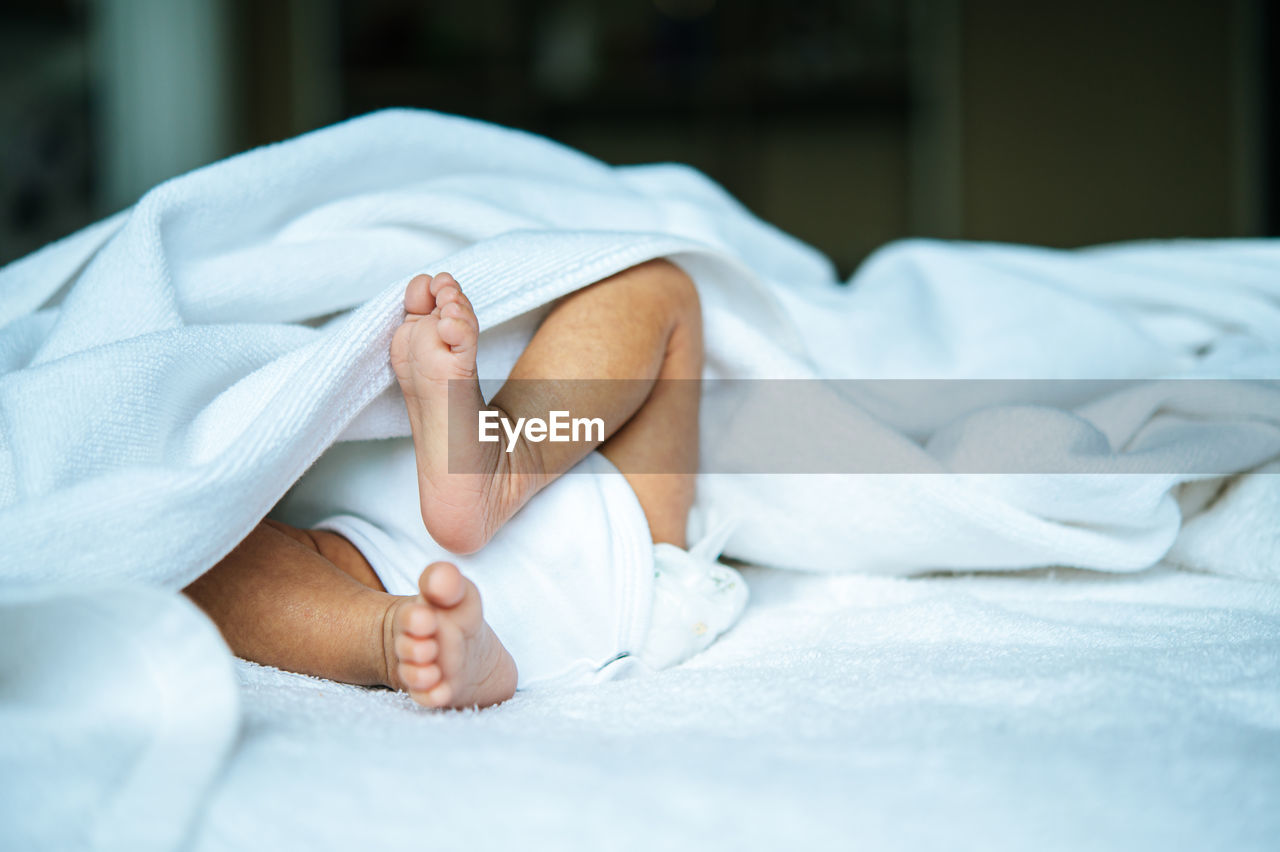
x,y
307,601
600,353
641,330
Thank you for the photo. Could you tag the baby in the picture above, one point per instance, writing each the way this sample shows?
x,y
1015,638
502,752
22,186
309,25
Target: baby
x,y
308,601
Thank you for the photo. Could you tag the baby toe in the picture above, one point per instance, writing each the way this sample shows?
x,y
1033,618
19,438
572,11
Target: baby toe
x,y
419,678
443,584
410,649
439,696
416,620
417,296
456,333
440,282
461,311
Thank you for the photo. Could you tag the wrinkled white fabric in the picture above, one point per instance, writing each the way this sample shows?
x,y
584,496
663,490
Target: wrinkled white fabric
x,y
695,600
118,706
169,373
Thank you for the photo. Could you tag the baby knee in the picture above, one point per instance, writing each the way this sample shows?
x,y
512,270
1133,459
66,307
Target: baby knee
x,y
674,286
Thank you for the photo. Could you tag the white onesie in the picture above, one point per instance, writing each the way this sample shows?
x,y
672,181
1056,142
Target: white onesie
x,y
570,585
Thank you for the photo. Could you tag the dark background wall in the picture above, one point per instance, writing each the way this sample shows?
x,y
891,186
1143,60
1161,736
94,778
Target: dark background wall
x,y
846,122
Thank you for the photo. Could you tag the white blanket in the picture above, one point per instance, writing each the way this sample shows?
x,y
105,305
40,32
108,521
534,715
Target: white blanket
x,y
170,372
165,385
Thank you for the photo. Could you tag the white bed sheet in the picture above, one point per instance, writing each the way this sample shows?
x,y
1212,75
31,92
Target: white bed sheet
x,y
1050,710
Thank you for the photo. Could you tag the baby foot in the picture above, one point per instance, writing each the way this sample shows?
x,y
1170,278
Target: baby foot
x,y
442,652
434,357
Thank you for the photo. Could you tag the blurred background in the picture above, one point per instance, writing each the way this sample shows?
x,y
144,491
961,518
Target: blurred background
x,y
846,122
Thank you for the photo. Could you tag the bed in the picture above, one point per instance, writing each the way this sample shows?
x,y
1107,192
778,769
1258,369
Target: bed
x,y
1086,656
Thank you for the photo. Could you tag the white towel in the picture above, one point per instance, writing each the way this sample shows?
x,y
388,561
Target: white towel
x,y
119,706
173,371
